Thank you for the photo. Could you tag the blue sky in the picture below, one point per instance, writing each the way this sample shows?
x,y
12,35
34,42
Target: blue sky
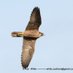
x,y
54,49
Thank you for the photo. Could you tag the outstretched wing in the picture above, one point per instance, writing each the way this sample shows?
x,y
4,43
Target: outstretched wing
x,y
27,51
35,20
29,43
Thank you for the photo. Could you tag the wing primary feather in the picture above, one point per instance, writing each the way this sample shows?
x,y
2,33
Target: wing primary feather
x,y
35,20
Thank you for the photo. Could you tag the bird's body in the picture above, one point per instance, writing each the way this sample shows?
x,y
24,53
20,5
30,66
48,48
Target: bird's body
x,y
30,35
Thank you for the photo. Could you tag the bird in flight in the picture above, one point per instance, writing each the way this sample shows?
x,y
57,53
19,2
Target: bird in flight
x,y
30,35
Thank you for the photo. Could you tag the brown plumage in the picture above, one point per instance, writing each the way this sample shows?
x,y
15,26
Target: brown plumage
x,y
29,37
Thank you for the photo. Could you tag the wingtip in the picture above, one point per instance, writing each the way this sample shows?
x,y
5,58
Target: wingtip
x,y
35,16
36,9
24,66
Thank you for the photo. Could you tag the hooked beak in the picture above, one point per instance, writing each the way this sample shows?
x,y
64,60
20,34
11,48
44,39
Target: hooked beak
x,y
41,33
